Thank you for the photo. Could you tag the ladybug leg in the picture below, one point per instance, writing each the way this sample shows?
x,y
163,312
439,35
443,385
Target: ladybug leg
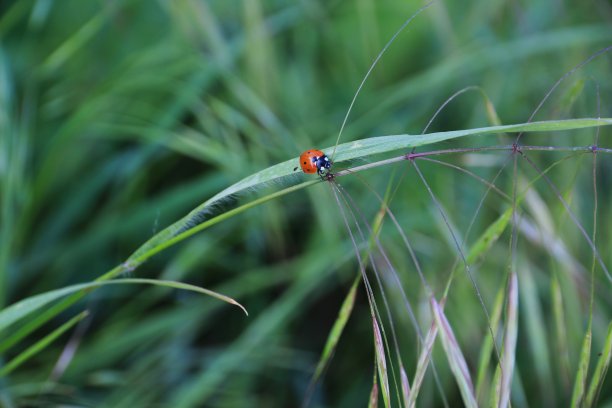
x,y
328,176
325,174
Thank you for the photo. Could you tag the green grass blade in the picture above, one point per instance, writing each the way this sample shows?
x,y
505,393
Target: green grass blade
x,y
196,391
337,329
422,364
93,156
41,344
534,319
583,369
478,249
509,351
405,385
12,168
601,369
373,401
487,347
192,222
23,308
165,242
381,364
11,16
359,149
489,237
80,38
455,357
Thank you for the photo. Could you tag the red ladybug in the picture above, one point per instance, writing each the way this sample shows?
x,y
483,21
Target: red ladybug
x,y
314,161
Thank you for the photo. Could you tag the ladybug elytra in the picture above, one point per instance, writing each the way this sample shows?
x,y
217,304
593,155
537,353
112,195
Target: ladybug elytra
x,y
315,161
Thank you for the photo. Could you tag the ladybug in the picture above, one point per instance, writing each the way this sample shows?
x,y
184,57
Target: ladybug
x,y
315,161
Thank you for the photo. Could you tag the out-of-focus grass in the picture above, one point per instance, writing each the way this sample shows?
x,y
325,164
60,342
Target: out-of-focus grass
x,y
117,118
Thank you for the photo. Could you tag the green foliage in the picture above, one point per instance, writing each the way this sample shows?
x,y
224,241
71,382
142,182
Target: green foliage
x,y
130,129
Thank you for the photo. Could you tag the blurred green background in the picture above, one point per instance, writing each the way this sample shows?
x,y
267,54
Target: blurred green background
x,y
118,117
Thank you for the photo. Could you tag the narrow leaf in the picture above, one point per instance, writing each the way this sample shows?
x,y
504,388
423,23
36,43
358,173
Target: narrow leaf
x,y
509,351
41,344
373,402
601,369
355,150
455,356
337,329
405,385
487,347
477,250
29,305
381,364
583,369
422,364
489,237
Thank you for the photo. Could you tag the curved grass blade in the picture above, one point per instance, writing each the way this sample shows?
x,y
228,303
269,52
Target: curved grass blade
x,y
196,221
359,149
41,344
455,356
23,308
198,389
